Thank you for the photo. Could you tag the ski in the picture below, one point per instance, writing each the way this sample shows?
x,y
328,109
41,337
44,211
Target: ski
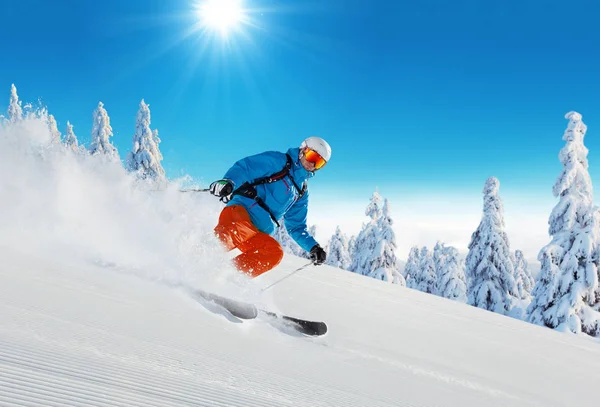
x,y
238,309
312,328
244,310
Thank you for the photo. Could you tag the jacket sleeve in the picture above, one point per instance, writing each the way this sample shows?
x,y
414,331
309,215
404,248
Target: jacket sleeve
x,y
255,166
295,223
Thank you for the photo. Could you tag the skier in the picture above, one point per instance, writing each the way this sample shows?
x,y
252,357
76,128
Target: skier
x,y
259,191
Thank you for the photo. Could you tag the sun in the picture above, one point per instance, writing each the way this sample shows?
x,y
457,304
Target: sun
x,y
222,16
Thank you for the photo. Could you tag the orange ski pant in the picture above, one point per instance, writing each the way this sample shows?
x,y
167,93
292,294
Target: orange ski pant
x,y
260,252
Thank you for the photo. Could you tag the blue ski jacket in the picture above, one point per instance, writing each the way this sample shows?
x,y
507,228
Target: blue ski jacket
x,y
281,196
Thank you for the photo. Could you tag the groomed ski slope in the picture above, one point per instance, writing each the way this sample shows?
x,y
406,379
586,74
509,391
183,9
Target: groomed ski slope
x,y
74,333
94,310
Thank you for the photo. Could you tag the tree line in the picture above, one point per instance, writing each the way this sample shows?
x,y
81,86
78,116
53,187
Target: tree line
x,y
564,296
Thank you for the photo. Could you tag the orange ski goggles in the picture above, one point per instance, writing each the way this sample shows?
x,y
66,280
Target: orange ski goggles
x,y
313,157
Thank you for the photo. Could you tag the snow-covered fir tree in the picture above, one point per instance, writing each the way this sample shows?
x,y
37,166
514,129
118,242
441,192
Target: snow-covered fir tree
x,y
70,138
15,112
101,133
351,244
566,296
451,280
438,254
281,236
411,269
367,238
384,265
523,278
288,244
489,264
53,128
145,157
337,250
285,240
425,277
313,230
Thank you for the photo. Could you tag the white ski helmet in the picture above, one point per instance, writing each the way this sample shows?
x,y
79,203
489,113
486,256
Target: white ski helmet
x,y
319,145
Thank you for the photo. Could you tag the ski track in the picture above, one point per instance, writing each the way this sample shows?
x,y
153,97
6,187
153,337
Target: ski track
x,y
40,374
33,377
93,314
39,370
437,375
95,340
220,360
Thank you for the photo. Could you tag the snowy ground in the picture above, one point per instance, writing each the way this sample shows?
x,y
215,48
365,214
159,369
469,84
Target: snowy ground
x,y
82,335
94,312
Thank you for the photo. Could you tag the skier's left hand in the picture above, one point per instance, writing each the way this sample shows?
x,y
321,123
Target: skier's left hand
x,y
221,188
317,255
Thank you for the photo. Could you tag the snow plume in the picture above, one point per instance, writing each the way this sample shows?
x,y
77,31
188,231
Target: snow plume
x,y
338,254
145,157
15,112
489,261
566,296
66,208
101,133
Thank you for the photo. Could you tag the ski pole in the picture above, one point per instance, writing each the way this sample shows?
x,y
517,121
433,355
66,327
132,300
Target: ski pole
x,y
195,190
289,275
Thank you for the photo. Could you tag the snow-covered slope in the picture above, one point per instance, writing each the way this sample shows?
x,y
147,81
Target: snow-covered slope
x,y
94,311
83,335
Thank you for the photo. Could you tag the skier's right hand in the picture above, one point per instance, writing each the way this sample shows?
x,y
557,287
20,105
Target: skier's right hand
x,y
221,188
317,255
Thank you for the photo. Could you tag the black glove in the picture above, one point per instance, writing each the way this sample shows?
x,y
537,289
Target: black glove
x,y
221,188
317,255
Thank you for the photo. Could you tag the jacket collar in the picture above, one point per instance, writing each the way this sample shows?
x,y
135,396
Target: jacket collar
x,y
298,170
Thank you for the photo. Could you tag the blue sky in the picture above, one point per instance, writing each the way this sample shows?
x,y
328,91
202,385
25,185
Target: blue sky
x,y
428,97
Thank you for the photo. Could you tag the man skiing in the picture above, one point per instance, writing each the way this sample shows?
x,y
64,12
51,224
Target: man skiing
x,y
260,191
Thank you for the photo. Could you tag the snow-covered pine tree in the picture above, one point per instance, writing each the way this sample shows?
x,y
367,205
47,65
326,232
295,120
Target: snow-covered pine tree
x,y
15,112
351,244
145,157
523,278
53,128
489,265
288,244
313,230
284,239
367,238
438,254
70,138
566,296
384,264
101,132
411,269
425,277
337,250
451,281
